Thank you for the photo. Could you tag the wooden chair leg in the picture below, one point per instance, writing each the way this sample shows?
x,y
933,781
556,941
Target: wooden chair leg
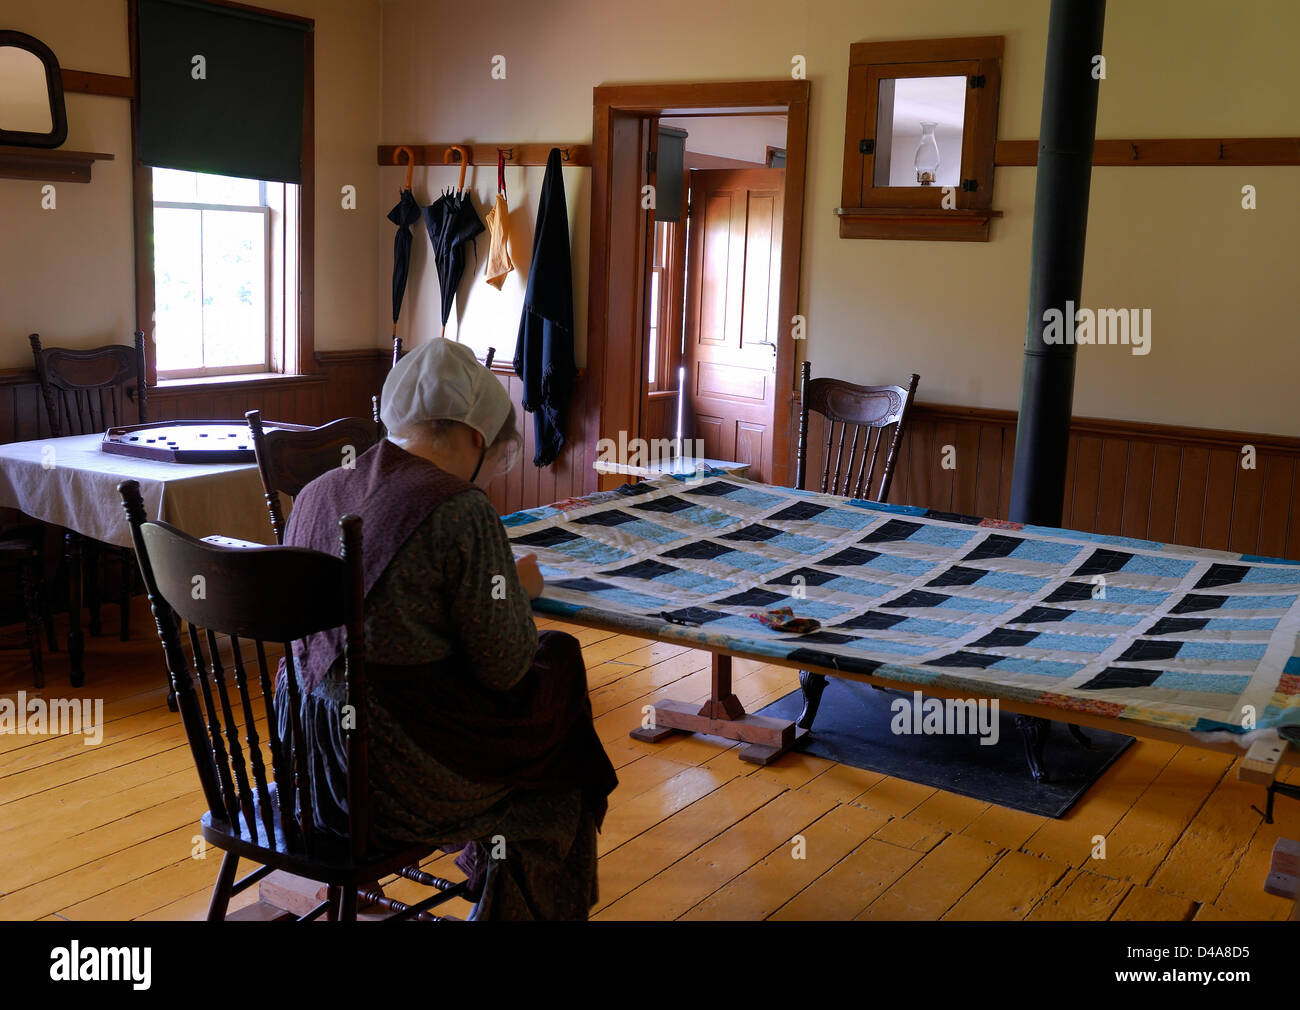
x,y
349,910
221,890
127,559
92,567
334,895
31,592
47,614
76,644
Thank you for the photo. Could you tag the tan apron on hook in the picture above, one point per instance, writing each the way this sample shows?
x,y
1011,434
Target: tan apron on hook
x,y
499,263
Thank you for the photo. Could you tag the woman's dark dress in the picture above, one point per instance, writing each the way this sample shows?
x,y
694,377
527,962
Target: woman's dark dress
x,y
452,589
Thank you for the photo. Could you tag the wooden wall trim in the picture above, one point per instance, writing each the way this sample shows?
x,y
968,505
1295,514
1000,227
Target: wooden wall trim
x,y
85,83
353,354
1177,152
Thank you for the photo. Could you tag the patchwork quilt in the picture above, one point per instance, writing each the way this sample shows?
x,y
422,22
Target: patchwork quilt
x,y
1168,636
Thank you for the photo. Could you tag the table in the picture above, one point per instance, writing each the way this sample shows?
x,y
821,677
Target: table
x,y
1128,635
68,482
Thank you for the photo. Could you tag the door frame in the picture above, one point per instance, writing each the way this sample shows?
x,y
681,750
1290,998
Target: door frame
x,y
614,396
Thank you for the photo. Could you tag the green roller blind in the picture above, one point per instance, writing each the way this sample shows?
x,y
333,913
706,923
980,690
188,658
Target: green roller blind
x,y
221,90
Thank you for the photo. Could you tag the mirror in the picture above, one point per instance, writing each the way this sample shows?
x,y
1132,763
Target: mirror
x,y
919,124
31,93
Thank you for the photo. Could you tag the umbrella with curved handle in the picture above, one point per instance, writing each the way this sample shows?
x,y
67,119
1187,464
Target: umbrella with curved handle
x,y
404,214
452,223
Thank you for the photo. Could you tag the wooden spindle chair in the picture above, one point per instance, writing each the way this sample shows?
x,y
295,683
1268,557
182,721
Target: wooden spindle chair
x,y
86,392
261,599
374,400
870,418
292,456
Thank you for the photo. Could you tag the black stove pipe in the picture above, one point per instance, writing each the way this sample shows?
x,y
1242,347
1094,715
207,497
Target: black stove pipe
x,y
1065,140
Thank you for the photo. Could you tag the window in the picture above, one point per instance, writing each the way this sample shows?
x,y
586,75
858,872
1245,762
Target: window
x,y
224,262
225,274
920,137
666,278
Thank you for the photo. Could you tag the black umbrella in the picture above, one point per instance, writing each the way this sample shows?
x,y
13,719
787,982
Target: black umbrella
x,y
404,214
452,222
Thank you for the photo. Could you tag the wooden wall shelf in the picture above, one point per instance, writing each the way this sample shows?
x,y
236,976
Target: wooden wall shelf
x,y
517,155
46,165
957,225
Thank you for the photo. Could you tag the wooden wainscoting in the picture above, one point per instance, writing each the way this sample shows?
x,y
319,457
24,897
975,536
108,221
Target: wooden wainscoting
x,y
1151,481
341,386
527,486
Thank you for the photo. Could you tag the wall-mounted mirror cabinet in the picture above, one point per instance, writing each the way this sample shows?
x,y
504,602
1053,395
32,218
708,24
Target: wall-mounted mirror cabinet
x,y
920,138
31,93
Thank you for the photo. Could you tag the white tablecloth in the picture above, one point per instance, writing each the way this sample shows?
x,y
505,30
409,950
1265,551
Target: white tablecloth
x,y
69,482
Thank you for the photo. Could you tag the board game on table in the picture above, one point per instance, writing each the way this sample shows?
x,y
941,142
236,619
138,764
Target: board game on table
x,y
188,441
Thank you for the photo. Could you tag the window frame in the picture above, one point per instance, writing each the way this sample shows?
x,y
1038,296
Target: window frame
x,y
298,355
917,212
267,213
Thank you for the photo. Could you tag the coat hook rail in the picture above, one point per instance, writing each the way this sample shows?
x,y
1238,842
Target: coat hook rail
x,y
520,155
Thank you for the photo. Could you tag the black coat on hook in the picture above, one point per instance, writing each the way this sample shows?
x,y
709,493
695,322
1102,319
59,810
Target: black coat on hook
x,y
544,357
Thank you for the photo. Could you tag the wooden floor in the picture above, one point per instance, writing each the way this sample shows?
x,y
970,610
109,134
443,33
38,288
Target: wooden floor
x,y
109,832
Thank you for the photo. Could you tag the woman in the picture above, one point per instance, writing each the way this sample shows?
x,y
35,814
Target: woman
x,y
480,728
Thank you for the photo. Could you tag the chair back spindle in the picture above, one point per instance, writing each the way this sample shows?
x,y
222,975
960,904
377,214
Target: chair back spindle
x,y
229,599
86,392
859,422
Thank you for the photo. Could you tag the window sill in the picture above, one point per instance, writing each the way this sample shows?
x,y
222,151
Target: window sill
x,y
212,382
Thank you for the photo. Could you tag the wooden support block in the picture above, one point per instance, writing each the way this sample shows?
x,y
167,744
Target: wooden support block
x,y
259,911
290,893
1284,869
762,754
1261,762
652,735
767,738
299,895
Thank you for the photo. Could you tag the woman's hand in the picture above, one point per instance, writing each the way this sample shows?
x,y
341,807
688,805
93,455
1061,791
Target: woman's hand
x,y
530,575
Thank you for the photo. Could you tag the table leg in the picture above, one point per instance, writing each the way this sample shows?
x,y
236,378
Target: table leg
x,y
765,738
72,551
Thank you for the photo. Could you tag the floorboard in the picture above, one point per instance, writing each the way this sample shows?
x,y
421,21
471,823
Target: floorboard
x,y
110,831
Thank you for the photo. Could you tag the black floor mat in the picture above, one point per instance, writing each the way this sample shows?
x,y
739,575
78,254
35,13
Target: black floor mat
x,y
853,727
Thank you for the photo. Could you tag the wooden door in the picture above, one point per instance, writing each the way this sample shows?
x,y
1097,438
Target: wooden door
x,y
732,319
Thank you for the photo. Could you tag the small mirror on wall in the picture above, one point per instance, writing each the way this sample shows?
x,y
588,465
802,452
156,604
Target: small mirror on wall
x,y
919,124
31,93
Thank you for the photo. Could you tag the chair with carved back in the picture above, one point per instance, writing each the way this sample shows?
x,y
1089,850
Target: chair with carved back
x,y
860,422
258,600
86,392
290,457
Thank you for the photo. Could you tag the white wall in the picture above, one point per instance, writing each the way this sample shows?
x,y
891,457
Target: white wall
x,y
745,138
69,273
1219,280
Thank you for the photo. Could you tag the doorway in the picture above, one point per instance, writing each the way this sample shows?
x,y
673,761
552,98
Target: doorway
x,y
730,276
687,299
